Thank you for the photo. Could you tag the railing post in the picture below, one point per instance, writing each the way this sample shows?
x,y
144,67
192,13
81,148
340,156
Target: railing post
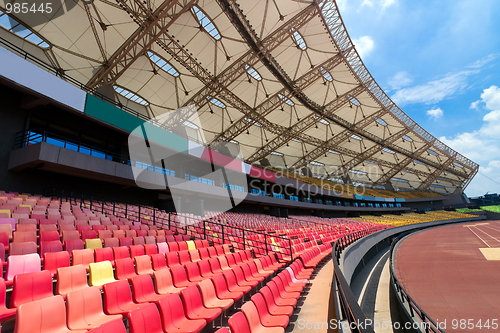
x,y
126,210
102,206
244,242
114,208
223,234
265,244
169,217
154,216
81,201
139,213
204,230
290,246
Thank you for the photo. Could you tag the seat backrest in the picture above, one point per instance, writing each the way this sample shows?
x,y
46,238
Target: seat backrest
x,y
70,234
89,234
101,273
73,244
102,254
162,247
212,252
29,287
145,319
26,227
215,265
125,241
121,252
49,236
205,269
163,280
124,268
158,261
207,289
19,264
194,255
172,259
48,227
143,265
219,250
111,242
118,233
252,315
24,236
46,315
190,245
50,246
203,252
182,245
70,279
54,260
238,323
136,250
142,285
192,271
93,244
7,228
184,257
171,312
116,294
83,257
104,234
82,304
150,249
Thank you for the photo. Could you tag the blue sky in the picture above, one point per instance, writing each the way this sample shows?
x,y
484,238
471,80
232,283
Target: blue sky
x,y
440,62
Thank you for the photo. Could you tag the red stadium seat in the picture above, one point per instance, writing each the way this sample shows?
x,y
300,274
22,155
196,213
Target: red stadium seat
x,y
118,298
174,318
252,316
163,282
83,257
158,261
222,290
54,260
145,320
268,319
5,313
124,269
106,253
136,250
121,252
172,259
179,277
209,296
232,283
31,287
143,290
239,323
150,249
273,308
193,272
193,305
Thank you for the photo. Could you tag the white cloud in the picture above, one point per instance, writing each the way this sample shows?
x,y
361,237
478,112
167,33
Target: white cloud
x,y
474,105
433,91
364,45
483,145
368,3
387,3
435,113
400,80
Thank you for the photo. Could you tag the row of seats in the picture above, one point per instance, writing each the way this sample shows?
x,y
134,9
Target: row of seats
x,y
217,293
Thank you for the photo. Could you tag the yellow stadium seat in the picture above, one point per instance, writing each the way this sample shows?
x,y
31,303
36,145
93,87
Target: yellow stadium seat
x,y
101,273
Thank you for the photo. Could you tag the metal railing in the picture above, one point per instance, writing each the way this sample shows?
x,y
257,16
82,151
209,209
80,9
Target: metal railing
x,y
418,316
349,308
196,228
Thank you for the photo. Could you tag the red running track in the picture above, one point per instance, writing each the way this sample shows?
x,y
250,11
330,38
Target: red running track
x,y
446,274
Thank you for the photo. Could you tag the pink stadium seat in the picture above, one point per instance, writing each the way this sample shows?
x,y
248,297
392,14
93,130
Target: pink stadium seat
x,y
111,242
125,241
19,264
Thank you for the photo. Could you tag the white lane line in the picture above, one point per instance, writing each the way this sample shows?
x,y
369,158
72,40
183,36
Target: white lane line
x,y
488,226
478,237
487,234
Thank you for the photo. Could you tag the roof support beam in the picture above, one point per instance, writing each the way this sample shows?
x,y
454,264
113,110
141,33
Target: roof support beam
x,y
151,26
401,166
86,5
272,103
435,175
